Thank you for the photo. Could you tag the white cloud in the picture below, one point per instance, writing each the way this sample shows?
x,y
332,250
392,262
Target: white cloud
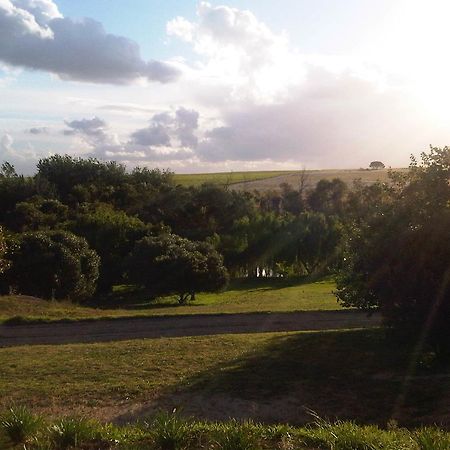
x,y
34,34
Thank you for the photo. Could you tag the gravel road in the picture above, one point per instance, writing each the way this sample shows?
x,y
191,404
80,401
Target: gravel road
x,y
174,326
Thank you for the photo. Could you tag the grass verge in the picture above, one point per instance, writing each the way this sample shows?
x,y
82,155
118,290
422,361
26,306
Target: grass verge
x,y
173,432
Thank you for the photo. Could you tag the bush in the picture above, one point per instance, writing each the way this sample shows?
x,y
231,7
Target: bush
x,y
52,264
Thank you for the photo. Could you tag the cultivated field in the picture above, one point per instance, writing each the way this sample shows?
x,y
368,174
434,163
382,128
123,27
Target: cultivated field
x,y
241,297
270,180
226,178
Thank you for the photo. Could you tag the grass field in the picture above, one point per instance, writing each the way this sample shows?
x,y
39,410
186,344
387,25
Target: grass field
x,y
241,297
268,180
271,377
226,178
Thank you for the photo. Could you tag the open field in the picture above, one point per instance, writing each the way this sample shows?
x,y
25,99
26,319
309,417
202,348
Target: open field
x,y
312,177
265,296
267,180
226,178
272,377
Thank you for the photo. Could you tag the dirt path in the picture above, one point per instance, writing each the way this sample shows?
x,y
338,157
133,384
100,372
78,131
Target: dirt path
x,y
171,326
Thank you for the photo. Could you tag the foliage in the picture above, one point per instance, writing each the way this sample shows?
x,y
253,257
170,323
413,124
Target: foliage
x,y
237,436
169,264
112,234
165,432
376,165
52,264
398,252
72,432
169,431
20,425
3,261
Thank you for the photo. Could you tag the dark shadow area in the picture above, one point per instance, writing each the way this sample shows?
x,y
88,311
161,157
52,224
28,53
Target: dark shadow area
x,y
359,375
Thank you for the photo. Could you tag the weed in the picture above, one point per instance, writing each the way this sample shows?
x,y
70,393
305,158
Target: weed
x,y
169,431
20,425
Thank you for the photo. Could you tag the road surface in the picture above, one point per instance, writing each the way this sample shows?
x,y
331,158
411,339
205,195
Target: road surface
x,y
175,326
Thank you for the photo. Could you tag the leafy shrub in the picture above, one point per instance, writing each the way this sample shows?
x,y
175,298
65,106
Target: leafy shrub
x,y
52,264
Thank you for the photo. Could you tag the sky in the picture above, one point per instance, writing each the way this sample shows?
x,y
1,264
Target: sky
x,y
199,86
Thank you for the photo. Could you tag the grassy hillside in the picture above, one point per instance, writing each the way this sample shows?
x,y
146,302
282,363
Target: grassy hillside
x,y
273,377
241,297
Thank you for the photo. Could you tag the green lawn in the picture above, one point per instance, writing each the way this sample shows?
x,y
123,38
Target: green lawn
x,y
225,178
272,377
241,297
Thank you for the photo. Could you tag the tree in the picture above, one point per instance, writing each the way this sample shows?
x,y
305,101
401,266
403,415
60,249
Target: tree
x,y
52,264
376,165
3,261
170,264
397,255
112,234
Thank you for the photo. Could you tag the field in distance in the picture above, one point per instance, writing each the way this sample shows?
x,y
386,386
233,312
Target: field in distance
x,y
271,180
226,178
241,297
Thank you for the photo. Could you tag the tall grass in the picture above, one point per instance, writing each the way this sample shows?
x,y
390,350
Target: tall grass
x,y
21,429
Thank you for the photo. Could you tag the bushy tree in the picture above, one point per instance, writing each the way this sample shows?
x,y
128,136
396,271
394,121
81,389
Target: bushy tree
x,y
112,234
398,253
3,261
169,264
52,264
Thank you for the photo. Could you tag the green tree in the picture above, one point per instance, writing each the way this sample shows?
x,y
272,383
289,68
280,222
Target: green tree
x,y
52,264
112,234
398,253
3,261
169,264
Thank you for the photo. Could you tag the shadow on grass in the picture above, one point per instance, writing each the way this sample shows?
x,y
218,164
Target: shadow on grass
x,y
135,297
353,375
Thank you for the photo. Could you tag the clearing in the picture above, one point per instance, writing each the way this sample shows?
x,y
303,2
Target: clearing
x,y
241,297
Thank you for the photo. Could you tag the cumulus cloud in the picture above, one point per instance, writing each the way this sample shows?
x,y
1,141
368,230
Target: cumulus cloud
x,y
169,137
24,159
328,121
37,130
94,127
238,51
165,128
35,35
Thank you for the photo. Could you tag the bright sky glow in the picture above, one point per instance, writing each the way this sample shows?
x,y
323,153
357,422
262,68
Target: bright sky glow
x,y
198,86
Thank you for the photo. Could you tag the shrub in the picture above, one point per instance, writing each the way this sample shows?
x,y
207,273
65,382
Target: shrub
x,y
52,264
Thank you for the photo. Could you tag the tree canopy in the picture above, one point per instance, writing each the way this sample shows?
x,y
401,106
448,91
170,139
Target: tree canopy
x,y
398,253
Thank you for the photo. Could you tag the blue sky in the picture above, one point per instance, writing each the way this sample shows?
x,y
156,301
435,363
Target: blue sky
x,y
224,85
